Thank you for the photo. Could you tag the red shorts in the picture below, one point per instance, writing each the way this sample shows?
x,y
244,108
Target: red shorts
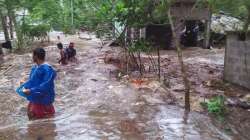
x,y
38,111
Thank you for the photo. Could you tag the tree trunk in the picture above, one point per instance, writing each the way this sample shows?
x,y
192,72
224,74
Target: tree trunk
x,y
208,32
176,39
14,25
19,35
72,16
5,26
1,55
247,23
140,63
159,63
11,28
11,18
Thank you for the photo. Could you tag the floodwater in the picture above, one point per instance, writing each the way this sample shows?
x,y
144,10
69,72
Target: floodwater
x,y
92,105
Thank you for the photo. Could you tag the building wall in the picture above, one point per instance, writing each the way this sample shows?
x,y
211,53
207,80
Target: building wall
x,y
237,61
187,10
190,13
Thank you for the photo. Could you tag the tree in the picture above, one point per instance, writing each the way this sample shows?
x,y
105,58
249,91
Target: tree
x,y
246,7
8,9
9,6
4,25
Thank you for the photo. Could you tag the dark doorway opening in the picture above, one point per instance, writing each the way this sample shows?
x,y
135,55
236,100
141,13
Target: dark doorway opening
x,y
159,35
189,36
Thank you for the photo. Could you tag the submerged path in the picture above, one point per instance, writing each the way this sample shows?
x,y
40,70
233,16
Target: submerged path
x,y
91,105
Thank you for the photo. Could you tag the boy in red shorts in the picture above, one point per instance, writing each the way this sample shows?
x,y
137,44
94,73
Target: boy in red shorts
x,y
39,89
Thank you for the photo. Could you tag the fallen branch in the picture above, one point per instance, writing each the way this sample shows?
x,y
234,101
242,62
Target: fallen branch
x,y
4,72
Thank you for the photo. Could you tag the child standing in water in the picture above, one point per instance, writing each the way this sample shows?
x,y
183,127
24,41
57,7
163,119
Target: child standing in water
x,y
39,89
63,55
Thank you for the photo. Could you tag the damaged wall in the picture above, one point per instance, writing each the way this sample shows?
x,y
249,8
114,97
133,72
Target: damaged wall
x,y
186,10
237,60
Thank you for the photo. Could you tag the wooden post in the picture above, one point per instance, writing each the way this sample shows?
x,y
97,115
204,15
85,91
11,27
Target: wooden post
x,y
208,31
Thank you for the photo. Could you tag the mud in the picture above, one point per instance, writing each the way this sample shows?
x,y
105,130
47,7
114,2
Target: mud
x,y
92,105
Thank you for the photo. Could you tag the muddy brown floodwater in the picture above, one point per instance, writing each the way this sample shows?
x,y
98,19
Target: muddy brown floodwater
x,y
90,105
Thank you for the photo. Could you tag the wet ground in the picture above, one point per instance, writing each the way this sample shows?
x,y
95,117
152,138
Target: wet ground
x,y
92,104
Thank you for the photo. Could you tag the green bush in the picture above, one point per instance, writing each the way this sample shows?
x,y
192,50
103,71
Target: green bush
x,y
67,29
141,45
36,31
216,106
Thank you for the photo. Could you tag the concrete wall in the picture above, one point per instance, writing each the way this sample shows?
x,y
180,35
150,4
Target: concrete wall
x,y
237,61
188,11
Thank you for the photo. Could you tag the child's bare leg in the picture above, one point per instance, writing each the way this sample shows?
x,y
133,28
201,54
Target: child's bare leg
x,y
30,114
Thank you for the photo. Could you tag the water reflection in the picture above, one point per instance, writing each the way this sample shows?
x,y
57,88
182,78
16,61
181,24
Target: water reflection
x,y
185,124
41,130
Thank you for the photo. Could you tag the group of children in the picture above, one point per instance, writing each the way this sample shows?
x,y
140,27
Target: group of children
x,y
66,54
39,88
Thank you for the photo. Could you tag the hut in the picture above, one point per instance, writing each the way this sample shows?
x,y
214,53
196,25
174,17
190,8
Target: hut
x,y
188,14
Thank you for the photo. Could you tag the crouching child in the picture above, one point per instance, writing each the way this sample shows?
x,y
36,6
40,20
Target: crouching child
x,y
71,53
